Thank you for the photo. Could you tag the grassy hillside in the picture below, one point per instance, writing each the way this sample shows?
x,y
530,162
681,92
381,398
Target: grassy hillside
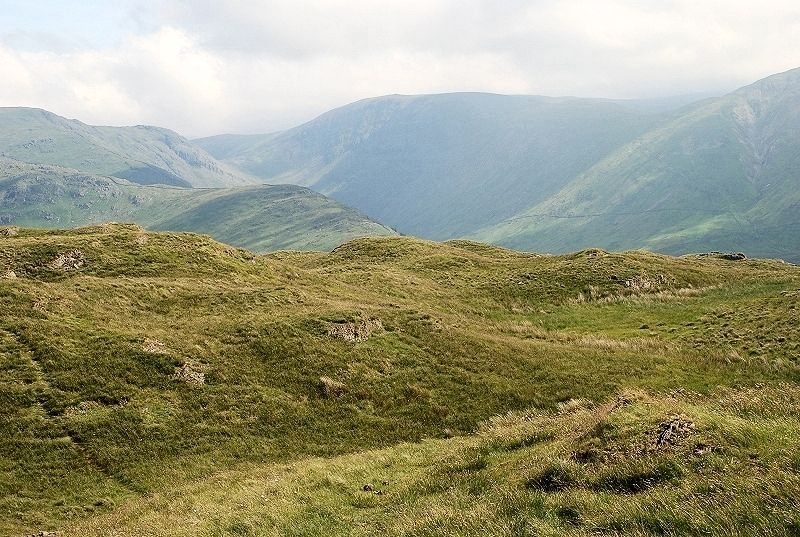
x,y
141,154
440,166
166,384
725,175
260,218
729,468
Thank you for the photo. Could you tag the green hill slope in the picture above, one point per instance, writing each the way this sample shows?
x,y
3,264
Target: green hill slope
x,y
728,468
440,166
723,175
141,373
142,154
260,218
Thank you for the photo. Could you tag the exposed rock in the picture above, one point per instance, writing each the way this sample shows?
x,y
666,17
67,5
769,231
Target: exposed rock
x,y
355,331
734,256
367,488
43,534
154,346
71,260
646,283
331,388
84,407
670,431
189,374
729,256
8,275
9,231
702,449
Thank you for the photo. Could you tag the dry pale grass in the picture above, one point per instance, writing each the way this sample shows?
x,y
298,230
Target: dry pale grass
x,y
596,296
527,329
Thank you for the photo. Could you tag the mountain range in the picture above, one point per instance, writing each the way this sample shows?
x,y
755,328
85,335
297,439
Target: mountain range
x,y
556,174
56,172
532,173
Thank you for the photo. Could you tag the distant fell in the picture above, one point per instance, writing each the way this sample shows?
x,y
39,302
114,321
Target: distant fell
x,y
259,217
141,154
724,174
440,166
557,174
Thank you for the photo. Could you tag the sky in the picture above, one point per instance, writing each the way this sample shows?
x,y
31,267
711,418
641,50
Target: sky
x,y
204,67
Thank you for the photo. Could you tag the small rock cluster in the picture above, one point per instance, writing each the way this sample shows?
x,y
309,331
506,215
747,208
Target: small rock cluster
x,y
189,374
71,260
84,407
355,331
154,346
646,283
9,232
369,487
728,256
330,388
670,431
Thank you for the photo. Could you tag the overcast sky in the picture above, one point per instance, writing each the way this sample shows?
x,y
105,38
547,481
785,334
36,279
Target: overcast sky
x,y
204,67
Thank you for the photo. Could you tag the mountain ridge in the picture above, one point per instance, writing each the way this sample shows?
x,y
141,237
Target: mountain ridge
x,y
143,154
572,174
258,217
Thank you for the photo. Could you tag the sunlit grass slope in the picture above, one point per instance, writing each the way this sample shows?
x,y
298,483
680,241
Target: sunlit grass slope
x,y
728,467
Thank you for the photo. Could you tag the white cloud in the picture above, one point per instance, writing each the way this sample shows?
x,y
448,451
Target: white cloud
x,y
203,67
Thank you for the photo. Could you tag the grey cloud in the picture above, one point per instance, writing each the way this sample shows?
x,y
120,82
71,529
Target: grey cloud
x,y
205,66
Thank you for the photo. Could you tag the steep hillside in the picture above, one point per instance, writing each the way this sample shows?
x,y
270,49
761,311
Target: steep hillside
x,y
141,373
260,218
141,154
440,166
723,175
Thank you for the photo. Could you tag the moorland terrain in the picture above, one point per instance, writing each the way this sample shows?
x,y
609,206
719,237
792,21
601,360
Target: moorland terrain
x,y
168,384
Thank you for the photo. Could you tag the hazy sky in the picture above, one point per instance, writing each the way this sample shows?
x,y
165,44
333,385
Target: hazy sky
x,y
205,67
